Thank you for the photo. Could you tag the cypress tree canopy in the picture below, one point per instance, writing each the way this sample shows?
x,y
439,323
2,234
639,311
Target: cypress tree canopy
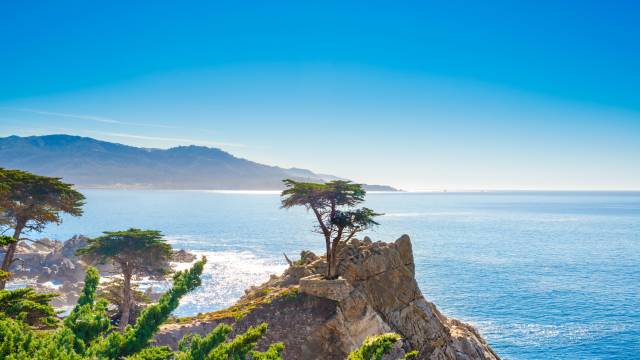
x,y
141,251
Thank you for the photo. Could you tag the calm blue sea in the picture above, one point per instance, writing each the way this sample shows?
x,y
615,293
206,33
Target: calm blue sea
x,y
542,275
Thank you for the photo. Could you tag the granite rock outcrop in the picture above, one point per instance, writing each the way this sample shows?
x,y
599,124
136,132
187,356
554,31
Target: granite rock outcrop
x,y
376,292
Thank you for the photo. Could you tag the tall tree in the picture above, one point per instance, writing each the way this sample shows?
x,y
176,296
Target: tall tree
x,y
333,205
134,252
29,202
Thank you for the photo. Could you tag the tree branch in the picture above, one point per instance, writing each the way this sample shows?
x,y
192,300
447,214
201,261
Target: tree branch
x,y
288,260
353,232
325,230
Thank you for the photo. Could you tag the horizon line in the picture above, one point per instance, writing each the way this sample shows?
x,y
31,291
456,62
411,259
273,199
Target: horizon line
x,y
400,191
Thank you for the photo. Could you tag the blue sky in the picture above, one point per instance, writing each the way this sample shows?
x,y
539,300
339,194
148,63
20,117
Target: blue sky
x,y
420,95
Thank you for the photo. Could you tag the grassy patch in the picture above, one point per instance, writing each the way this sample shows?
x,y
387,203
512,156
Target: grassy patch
x,y
245,306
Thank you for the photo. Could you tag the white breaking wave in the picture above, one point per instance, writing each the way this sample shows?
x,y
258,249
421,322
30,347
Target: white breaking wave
x,y
226,275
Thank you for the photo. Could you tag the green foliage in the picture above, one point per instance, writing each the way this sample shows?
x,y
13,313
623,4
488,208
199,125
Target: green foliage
x,y
198,347
6,240
32,201
241,346
86,333
153,353
135,249
28,306
89,319
375,347
354,220
91,281
338,193
274,352
411,355
16,338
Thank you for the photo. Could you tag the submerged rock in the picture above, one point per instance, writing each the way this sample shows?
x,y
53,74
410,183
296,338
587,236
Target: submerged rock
x,y
326,319
183,256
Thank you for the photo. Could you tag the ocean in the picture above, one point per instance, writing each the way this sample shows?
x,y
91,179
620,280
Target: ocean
x,y
542,275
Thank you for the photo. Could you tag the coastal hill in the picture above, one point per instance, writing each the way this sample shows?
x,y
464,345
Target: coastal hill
x,y
91,163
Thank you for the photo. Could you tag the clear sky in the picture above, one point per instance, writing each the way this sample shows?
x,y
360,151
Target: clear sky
x,y
420,95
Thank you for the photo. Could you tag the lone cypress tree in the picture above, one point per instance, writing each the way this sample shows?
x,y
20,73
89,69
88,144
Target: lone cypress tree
x,y
333,206
29,202
134,252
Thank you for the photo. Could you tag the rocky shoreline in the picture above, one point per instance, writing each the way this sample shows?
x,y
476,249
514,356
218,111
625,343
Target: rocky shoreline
x,y
319,319
51,266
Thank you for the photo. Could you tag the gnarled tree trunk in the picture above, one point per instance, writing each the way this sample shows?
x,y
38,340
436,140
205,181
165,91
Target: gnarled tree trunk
x,y
126,300
333,273
11,252
329,258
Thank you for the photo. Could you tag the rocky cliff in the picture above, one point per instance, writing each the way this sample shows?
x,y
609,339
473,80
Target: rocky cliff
x,y
326,319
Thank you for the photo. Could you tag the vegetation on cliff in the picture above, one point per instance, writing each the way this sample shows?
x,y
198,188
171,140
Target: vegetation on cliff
x,y
375,347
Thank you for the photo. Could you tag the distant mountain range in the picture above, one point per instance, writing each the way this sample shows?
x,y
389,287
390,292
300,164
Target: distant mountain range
x,y
91,163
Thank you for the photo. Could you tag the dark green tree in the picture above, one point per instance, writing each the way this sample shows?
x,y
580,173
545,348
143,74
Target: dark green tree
x,y
28,306
5,241
133,252
333,205
29,202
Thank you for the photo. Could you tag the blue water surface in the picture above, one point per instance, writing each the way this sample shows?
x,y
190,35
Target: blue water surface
x,y
552,275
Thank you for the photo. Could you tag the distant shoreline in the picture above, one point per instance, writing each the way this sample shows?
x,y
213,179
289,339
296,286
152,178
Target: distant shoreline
x,y
426,192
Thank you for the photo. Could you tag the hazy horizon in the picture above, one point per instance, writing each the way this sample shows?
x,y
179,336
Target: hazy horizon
x,y
416,96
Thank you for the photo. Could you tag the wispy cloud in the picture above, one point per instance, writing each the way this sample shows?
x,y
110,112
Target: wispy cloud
x,y
168,139
91,118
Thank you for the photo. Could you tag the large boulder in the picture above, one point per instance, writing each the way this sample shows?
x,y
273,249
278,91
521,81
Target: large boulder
x,y
384,274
